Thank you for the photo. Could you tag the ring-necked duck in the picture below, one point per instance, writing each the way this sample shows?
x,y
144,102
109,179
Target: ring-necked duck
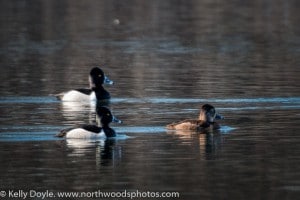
x,y
96,91
92,131
206,120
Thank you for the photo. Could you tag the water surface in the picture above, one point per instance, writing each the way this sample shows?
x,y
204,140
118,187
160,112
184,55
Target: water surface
x,y
166,59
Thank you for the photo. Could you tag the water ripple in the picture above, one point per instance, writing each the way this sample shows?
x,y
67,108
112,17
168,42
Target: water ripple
x,y
50,99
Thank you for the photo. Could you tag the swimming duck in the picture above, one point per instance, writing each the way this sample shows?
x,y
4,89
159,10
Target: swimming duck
x,y
88,131
206,121
96,91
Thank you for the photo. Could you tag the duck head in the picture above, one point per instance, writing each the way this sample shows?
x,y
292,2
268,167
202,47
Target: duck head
x,y
105,116
209,114
97,78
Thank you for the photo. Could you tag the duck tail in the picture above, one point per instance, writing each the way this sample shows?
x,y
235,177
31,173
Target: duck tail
x,y
58,96
170,126
63,132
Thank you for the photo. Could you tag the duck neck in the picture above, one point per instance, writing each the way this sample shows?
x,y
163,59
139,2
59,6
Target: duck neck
x,y
100,92
206,124
109,132
104,125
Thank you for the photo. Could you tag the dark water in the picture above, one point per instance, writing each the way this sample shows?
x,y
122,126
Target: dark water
x,y
167,58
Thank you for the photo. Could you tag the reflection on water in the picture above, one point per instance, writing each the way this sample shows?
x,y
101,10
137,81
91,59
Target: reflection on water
x,y
207,142
76,111
167,59
104,150
145,156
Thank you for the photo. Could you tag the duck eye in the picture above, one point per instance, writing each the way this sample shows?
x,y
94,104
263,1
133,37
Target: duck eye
x,y
100,75
108,114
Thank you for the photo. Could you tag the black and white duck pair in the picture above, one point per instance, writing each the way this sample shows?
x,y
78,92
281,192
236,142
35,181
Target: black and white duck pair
x,y
96,92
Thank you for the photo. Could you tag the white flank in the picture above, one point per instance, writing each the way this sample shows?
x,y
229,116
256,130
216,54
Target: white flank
x,y
80,133
93,96
74,95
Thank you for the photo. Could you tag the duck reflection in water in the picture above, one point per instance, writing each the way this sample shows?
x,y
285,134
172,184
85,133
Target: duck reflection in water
x,y
77,111
207,142
103,151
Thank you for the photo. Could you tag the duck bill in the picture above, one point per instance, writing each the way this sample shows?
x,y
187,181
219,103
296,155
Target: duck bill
x,y
116,120
107,81
218,116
